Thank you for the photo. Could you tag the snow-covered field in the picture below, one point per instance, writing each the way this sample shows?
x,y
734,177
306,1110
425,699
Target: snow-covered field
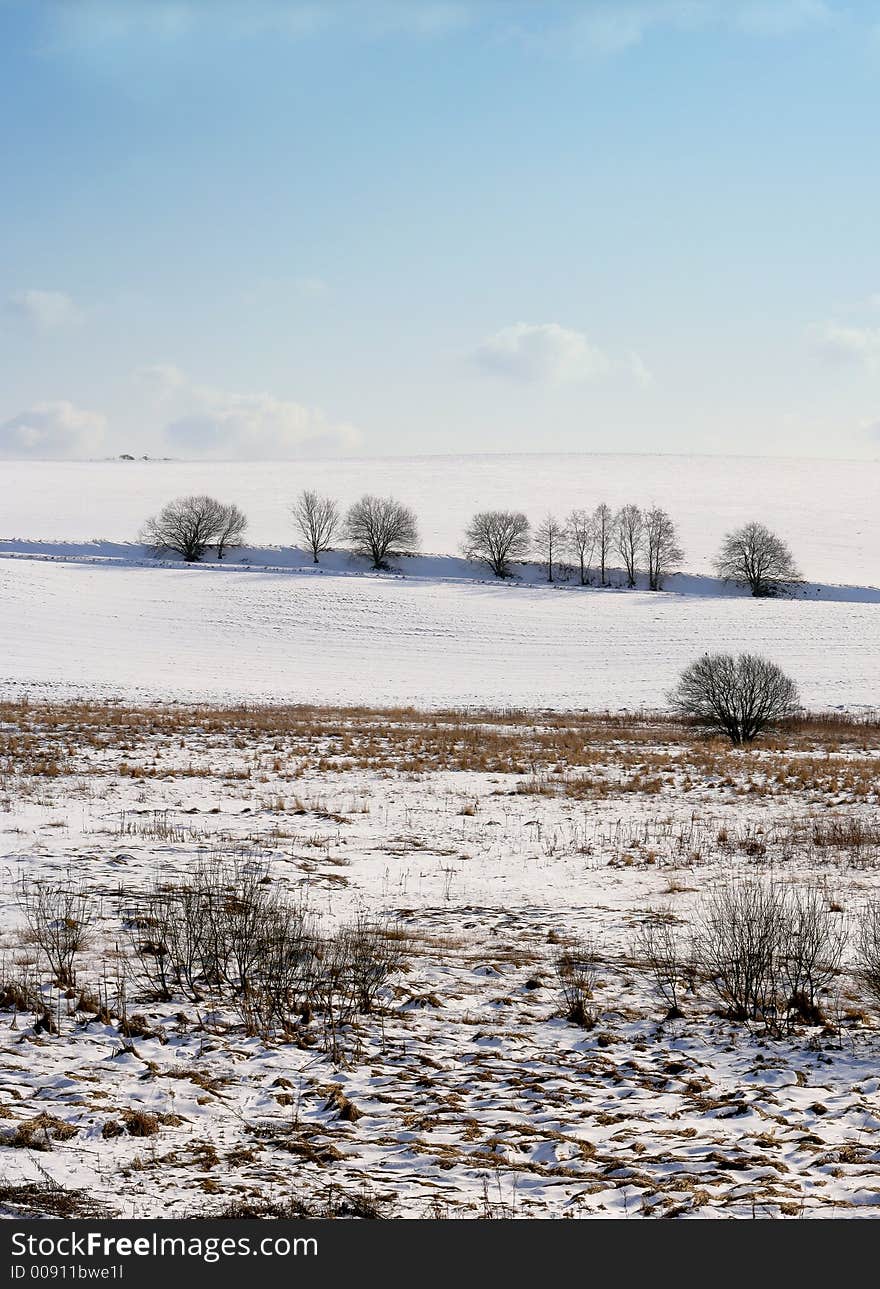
x,y
827,510
491,845
83,611
466,1091
198,634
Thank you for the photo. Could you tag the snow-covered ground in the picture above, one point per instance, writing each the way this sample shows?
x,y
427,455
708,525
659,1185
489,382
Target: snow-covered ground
x,y
84,610
827,510
203,634
469,1091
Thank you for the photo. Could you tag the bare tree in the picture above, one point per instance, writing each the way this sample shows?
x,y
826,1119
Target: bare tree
x,y
497,537
189,525
756,558
580,533
738,697
317,519
661,547
549,541
377,526
604,524
629,526
231,527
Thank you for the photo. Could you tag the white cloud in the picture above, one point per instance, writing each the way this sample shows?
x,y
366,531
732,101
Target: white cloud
x,y
48,310
850,344
102,23
161,380
781,17
310,285
51,431
611,26
546,353
215,422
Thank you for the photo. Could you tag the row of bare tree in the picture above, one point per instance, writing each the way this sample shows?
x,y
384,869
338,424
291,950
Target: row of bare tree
x,y
589,542
373,526
641,539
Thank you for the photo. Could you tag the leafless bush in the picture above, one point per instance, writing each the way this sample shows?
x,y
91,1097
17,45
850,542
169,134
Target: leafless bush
x,y
19,988
380,526
497,538
575,968
226,932
756,558
738,697
737,945
373,951
659,950
866,958
812,946
769,952
281,987
317,519
58,919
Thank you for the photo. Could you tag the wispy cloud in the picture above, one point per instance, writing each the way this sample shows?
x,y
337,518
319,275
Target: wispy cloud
x,y
76,23
52,431
604,27
598,26
859,345
46,310
214,422
546,353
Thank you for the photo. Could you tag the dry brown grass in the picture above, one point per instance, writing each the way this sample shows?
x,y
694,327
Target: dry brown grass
x,y
577,754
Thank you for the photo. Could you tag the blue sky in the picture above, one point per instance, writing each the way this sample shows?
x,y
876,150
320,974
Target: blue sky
x,y
274,229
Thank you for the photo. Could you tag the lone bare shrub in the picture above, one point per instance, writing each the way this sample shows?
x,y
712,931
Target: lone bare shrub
x,y
575,968
497,538
380,526
738,696
58,920
317,519
754,557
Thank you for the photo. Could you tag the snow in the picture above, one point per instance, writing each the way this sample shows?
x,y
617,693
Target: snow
x,y
88,614
827,510
474,1093
193,633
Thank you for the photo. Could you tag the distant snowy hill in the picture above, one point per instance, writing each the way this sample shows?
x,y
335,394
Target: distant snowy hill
x,y
828,511
97,617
